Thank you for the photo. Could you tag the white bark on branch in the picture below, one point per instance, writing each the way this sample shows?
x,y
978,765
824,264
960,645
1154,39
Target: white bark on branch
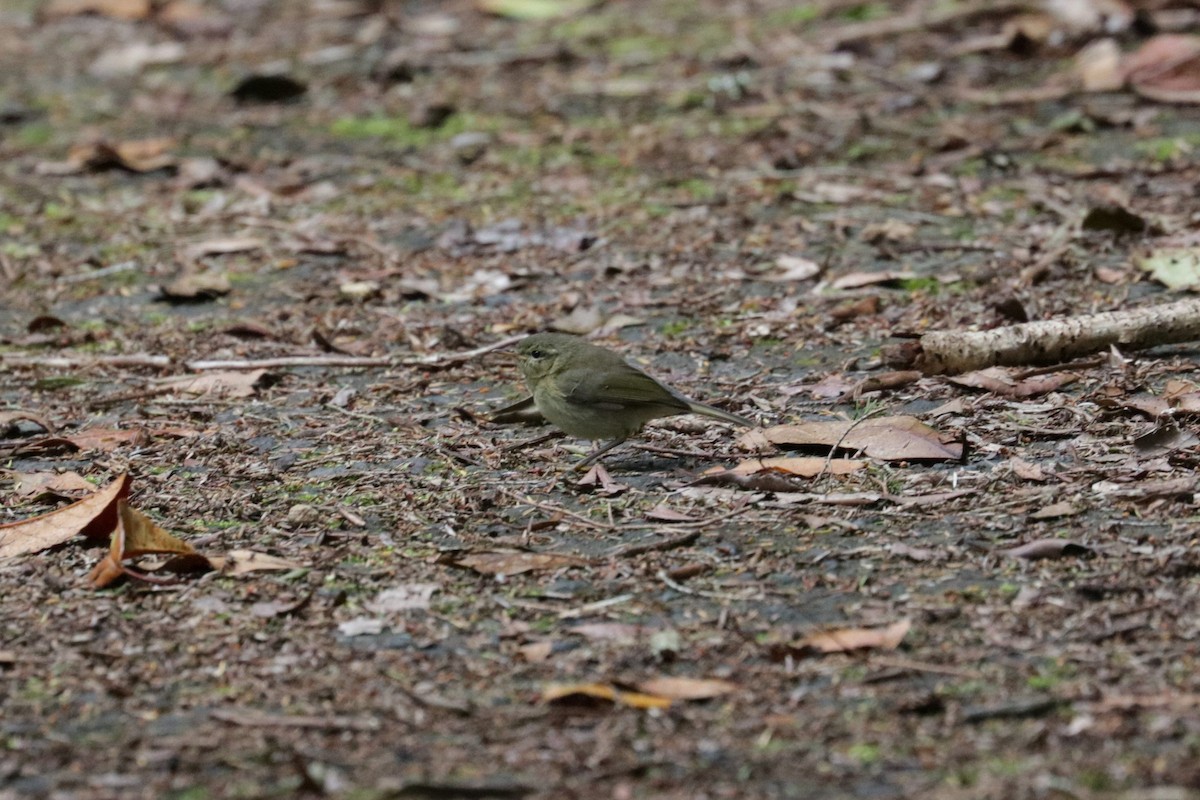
x,y
1057,340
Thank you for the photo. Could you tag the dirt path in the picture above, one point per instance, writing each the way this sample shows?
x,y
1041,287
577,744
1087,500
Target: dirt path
x,y
749,200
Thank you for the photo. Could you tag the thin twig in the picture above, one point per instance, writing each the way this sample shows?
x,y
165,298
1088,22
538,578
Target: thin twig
x,y
431,360
596,606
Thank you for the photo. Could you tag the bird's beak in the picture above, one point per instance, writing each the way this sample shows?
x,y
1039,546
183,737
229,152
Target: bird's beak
x,y
507,355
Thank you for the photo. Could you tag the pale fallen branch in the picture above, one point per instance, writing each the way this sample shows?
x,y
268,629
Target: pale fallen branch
x,y
431,360
76,362
290,361
1053,341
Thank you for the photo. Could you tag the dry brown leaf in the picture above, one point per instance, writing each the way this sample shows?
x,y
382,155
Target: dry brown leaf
x,y
1164,439
197,286
1098,65
536,652
887,438
857,280
918,554
1048,548
792,268
1002,381
192,18
1166,68
510,562
240,562
560,692
26,484
230,383
175,432
137,155
622,632
664,513
1026,470
686,688
137,535
279,607
94,516
212,247
1056,510
107,439
889,230
599,478
7,418
846,639
831,386
804,466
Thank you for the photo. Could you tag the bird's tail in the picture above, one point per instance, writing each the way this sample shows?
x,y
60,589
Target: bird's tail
x,y
711,411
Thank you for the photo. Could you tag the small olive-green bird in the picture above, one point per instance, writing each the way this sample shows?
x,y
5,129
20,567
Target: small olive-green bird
x,y
592,393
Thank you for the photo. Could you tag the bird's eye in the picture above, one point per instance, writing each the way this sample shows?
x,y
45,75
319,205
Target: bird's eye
x,y
537,353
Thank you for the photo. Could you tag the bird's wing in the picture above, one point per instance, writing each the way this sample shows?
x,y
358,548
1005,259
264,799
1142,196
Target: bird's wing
x,y
618,388
522,411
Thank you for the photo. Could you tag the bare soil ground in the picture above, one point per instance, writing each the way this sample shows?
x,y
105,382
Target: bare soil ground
x,y
750,200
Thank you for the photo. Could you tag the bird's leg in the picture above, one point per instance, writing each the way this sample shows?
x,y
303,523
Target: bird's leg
x,y
595,454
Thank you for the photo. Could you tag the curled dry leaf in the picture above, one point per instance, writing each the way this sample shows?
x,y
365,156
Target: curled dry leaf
x,y
846,639
94,516
1048,548
138,155
857,280
567,692
886,438
1166,68
137,535
687,688
8,420
1003,382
